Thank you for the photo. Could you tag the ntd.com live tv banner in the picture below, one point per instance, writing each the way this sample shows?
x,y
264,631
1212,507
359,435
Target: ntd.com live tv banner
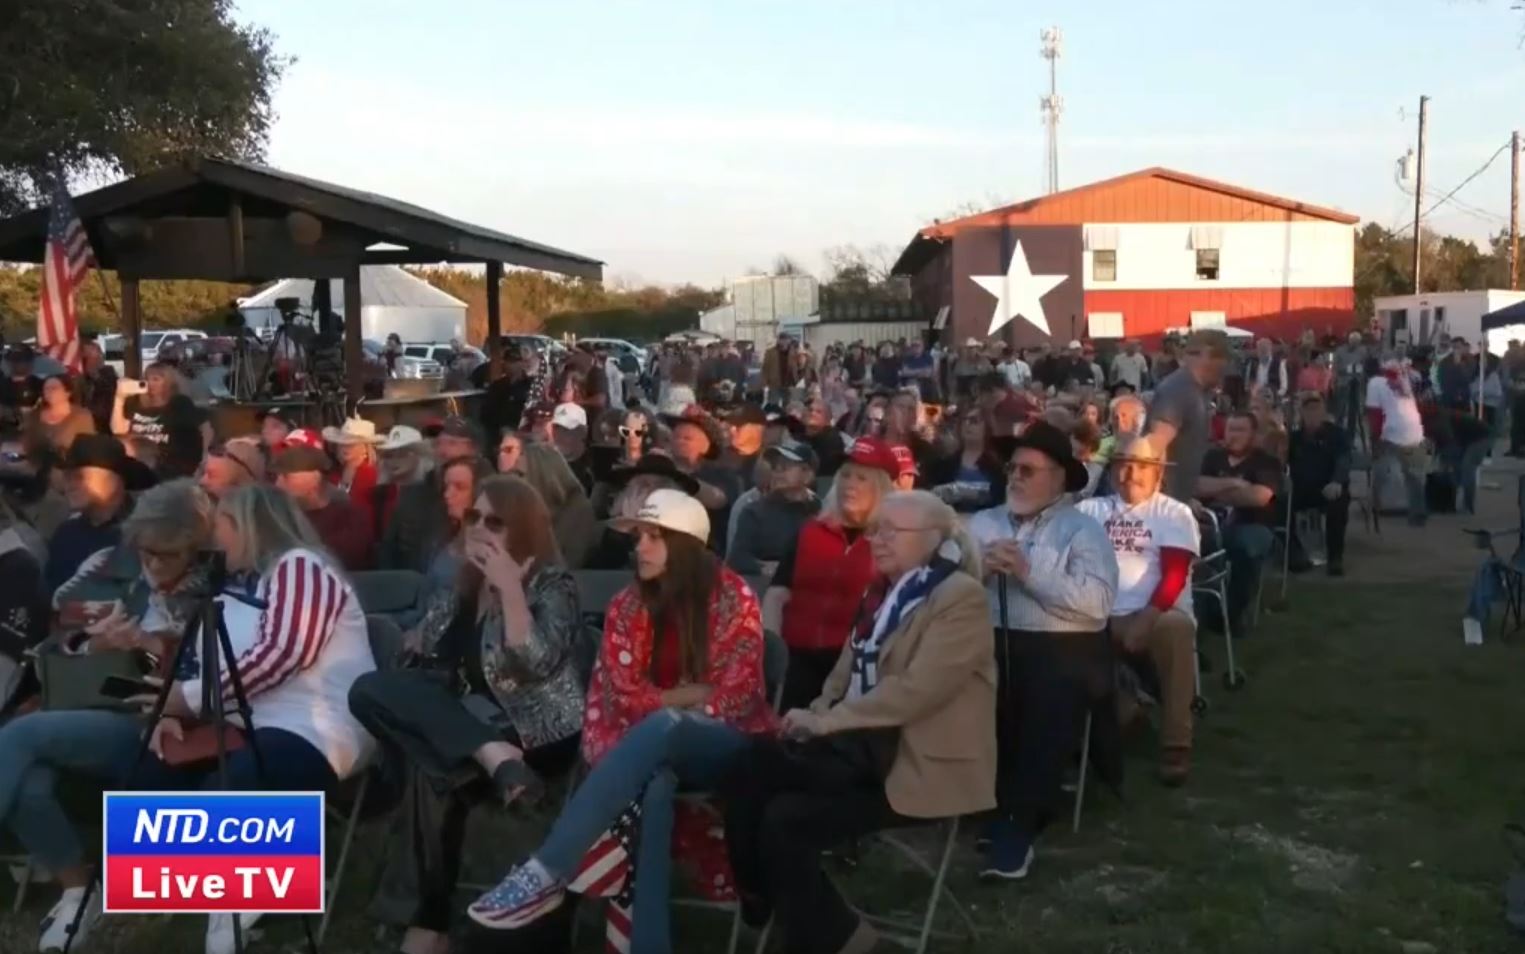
x,y
213,851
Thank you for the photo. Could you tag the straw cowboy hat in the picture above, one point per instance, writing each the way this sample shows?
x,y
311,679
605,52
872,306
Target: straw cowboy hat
x,y
1137,449
356,430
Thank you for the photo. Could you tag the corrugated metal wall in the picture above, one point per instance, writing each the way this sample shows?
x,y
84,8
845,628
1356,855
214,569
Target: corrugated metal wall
x,y
868,332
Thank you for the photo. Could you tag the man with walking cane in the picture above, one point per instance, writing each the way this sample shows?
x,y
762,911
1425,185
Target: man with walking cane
x,y
1051,577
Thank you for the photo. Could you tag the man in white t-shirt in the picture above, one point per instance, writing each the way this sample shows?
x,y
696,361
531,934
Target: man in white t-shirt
x,y
1130,367
1156,538
1017,371
1393,416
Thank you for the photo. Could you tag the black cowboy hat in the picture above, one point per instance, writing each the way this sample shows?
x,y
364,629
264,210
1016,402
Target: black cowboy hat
x,y
107,453
1054,444
658,464
696,416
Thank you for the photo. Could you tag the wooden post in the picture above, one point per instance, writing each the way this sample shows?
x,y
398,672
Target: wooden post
x,y
236,234
132,328
1424,117
354,354
494,319
1514,211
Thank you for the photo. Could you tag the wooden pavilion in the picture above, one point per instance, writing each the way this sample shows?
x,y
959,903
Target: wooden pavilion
x,y
218,219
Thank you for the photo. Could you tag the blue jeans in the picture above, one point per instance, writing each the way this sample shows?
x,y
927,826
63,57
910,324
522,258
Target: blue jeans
x,y
1248,545
666,748
34,749
291,764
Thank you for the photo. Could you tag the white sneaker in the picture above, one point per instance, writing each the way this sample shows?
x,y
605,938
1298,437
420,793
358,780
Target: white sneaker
x,y
1471,631
220,932
53,934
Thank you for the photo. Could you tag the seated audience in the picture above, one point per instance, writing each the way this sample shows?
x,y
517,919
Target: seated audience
x,y
637,436
355,450
676,690
24,610
402,459
152,584
903,731
155,411
96,471
296,658
569,435
230,465
510,451
511,625
96,386
1126,418
1319,462
275,425
571,512
57,420
762,482
1052,579
696,448
828,443
746,424
816,591
1085,441
1155,539
301,467
768,529
622,496
969,480
1240,481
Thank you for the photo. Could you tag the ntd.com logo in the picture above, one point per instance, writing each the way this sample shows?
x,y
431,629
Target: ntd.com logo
x,y
213,851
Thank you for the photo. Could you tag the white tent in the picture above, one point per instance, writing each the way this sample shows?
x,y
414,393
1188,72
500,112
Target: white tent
x,y
391,301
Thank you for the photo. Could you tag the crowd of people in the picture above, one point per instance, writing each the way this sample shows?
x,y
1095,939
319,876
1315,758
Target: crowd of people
x,y
964,557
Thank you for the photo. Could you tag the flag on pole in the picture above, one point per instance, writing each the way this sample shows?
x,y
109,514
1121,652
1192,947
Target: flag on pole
x,y
64,265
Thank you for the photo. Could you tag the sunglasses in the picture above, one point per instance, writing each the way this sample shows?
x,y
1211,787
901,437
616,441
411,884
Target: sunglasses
x,y
489,521
632,431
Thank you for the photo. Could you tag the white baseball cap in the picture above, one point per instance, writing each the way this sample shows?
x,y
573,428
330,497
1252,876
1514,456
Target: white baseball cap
x,y
400,436
671,510
570,416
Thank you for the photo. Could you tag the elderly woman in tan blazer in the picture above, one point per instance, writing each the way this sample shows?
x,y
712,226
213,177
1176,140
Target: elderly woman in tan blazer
x,y
903,732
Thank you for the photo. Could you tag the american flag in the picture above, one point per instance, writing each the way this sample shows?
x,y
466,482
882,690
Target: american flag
x,y
63,271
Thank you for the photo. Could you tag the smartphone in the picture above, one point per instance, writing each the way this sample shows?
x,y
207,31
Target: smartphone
x,y
119,687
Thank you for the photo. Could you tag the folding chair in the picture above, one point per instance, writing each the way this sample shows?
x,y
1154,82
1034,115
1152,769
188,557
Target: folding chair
x,y
385,592
386,642
1210,579
597,588
1280,536
902,931
1509,572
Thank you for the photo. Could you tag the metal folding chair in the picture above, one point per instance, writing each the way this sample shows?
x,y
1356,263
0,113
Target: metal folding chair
x,y
1210,579
384,592
1280,536
902,931
1510,571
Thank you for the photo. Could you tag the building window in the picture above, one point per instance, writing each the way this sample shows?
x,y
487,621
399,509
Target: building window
x,y
1104,265
1104,324
1207,264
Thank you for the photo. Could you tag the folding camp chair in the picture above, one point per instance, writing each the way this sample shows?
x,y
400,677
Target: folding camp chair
x,y
1281,536
387,592
1510,572
386,643
1210,579
903,932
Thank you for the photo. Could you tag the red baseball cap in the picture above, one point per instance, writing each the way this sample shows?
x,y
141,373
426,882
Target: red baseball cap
x,y
905,461
875,454
301,450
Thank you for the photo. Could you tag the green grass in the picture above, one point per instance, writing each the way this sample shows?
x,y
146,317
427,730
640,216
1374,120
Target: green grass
x,y
1349,799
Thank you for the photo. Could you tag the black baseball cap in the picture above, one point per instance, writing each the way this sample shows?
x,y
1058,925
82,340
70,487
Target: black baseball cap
x,y
794,452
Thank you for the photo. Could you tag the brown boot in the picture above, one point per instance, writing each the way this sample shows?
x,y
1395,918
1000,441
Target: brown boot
x,y
1175,766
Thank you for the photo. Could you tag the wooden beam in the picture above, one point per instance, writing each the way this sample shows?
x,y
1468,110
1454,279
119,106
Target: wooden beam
x,y
236,234
354,354
494,317
132,329
184,247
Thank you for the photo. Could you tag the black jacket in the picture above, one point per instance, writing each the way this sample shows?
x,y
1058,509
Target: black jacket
x,y
1319,457
419,527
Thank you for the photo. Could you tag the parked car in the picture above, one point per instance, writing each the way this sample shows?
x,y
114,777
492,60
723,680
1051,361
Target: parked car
x,y
544,345
408,366
632,358
442,353
151,343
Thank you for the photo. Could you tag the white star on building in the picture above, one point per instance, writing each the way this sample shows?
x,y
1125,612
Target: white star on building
x,y
1018,293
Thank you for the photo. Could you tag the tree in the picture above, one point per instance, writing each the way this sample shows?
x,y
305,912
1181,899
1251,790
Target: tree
x,y
101,88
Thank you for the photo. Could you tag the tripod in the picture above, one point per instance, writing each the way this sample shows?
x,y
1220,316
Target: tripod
x,y
208,631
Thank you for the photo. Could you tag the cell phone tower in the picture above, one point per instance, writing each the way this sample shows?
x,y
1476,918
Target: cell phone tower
x,y
1052,105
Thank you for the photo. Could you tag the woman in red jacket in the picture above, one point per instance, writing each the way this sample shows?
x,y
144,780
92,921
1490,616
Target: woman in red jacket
x,y
815,593
355,449
675,696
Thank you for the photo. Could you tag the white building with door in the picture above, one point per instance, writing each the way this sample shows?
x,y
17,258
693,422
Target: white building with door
x,y
1424,320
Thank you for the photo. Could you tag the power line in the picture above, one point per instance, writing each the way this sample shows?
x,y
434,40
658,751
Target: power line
x,y
1465,182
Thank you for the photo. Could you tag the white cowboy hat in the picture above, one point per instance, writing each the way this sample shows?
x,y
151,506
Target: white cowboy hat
x,y
400,436
356,430
672,510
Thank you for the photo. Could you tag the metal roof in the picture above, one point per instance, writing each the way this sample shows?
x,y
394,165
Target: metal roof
x,y
387,286
202,186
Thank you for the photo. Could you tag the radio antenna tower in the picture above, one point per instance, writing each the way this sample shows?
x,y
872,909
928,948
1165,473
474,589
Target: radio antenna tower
x,y
1052,105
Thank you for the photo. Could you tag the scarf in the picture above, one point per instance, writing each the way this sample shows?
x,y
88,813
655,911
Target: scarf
x,y
871,632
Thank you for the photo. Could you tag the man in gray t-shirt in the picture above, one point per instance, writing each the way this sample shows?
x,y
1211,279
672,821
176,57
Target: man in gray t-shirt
x,y
1178,415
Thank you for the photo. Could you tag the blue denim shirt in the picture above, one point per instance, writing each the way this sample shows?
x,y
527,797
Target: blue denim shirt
x,y
1072,583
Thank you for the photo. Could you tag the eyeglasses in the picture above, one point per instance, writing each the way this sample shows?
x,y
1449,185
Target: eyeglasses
x,y
632,431
489,521
1027,471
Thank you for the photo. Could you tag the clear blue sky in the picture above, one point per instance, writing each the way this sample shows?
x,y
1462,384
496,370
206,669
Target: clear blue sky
x,y
688,140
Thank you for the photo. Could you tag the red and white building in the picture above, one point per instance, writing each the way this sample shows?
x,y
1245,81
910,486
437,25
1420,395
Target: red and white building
x,y
1134,257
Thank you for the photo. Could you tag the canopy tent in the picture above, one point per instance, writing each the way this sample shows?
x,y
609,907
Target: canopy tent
x,y
391,300
1512,315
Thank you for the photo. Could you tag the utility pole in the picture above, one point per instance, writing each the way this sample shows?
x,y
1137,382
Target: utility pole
x,y
1514,211
1424,115
1052,105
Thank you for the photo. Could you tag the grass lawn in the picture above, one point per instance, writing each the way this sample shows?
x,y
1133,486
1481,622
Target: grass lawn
x,y
1349,799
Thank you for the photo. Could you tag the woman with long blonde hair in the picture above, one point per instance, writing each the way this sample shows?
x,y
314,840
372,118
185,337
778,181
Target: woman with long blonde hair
x,y
547,471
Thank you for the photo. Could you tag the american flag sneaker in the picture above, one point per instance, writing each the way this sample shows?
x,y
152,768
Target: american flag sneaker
x,y
528,893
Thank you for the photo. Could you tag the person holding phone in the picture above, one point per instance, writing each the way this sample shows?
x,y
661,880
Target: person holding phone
x,y
134,597
154,410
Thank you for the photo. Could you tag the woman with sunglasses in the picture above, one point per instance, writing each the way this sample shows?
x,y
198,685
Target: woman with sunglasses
x,y
635,438
495,691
